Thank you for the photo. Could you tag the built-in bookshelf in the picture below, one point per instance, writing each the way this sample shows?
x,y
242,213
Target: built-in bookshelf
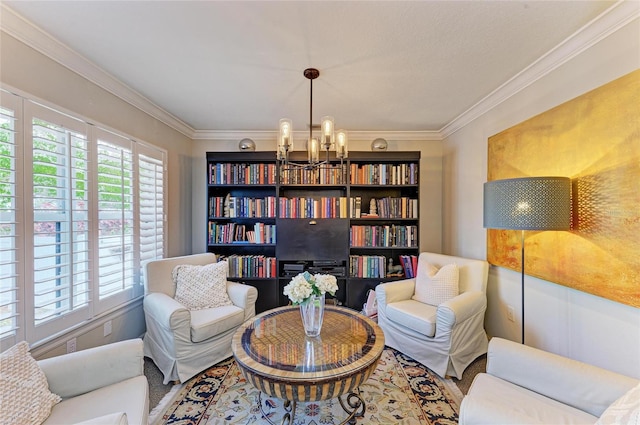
x,y
241,218
384,219
356,219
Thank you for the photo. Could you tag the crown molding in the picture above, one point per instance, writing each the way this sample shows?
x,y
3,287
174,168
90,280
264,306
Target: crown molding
x,y
34,37
271,136
617,16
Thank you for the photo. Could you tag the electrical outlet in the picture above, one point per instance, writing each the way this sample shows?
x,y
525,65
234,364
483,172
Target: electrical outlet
x,y
71,345
107,328
510,314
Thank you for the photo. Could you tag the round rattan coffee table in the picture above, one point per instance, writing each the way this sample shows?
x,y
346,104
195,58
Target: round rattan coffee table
x,y
276,357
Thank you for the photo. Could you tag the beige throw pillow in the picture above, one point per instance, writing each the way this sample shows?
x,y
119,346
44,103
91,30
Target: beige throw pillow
x,y
24,391
200,287
623,411
435,286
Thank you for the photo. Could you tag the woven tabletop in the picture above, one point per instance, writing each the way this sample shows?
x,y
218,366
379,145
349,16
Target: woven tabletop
x,y
274,354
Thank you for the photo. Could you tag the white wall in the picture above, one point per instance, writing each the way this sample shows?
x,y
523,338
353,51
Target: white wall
x,y
430,183
558,319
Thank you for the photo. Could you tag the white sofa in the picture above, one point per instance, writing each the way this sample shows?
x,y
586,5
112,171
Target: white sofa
x,y
181,342
445,338
524,385
102,385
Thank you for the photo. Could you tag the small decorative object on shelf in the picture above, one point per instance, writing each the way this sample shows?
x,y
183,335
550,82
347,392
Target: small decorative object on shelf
x,y
394,270
308,291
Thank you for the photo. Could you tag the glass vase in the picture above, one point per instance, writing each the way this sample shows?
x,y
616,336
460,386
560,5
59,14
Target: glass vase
x,y
312,312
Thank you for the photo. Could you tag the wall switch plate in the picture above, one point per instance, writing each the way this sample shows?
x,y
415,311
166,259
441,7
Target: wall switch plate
x,y
107,328
510,314
71,345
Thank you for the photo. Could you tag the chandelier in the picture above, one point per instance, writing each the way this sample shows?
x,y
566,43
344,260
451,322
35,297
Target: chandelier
x,y
329,139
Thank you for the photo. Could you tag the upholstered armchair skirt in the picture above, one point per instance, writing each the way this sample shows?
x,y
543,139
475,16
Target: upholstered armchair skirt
x,y
448,337
184,342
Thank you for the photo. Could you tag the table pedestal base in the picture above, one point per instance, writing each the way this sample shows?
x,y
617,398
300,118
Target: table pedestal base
x,y
353,405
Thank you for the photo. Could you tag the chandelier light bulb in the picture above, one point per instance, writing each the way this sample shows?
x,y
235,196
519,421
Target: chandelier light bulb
x,y
327,133
341,144
285,138
313,150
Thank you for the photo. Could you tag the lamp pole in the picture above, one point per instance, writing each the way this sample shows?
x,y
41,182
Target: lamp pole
x,y
522,282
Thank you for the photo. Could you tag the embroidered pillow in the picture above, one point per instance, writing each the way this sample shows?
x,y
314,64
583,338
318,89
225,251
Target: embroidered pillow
x,y
435,286
623,411
24,391
200,287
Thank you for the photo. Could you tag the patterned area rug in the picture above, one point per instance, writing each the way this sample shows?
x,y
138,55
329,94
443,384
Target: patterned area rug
x,y
400,391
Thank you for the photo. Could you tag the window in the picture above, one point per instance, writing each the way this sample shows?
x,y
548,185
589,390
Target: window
x,y
115,219
151,169
58,186
10,244
92,212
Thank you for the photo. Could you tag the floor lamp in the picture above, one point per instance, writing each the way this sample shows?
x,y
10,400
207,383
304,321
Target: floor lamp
x,y
528,203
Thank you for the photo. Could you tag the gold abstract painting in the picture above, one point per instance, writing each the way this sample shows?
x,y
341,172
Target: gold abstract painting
x,y
595,140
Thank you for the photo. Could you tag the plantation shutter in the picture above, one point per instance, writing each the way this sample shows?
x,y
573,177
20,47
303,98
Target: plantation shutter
x,y
151,166
11,277
58,182
115,194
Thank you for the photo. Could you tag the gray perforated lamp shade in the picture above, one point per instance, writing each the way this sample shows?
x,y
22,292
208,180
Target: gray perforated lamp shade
x,y
528,203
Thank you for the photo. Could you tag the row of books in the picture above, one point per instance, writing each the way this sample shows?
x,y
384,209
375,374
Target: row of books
x,y
360,266
324,207
239,233
409,265
384,236
367,266
242,206
239,173
402,207
383,174
326,174
332,174
251,266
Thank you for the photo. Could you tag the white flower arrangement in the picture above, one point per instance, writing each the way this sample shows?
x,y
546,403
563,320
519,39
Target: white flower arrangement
x,y
305,284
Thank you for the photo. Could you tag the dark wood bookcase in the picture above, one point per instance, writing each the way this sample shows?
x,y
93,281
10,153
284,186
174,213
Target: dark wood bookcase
x,y
321,219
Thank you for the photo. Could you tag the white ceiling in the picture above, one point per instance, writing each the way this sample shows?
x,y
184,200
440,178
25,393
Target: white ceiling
x,y
384,65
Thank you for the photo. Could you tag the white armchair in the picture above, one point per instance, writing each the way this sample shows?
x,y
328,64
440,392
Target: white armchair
x,y
445,338
101,385
183,342
525,385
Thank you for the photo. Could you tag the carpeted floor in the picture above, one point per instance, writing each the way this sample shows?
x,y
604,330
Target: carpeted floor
x,y
158,391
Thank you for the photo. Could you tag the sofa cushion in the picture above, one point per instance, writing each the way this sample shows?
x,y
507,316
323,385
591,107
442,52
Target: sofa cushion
x,y
214,321
24,391
130,396
200,287
119,418
417,316
435,286
491,400
623,411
